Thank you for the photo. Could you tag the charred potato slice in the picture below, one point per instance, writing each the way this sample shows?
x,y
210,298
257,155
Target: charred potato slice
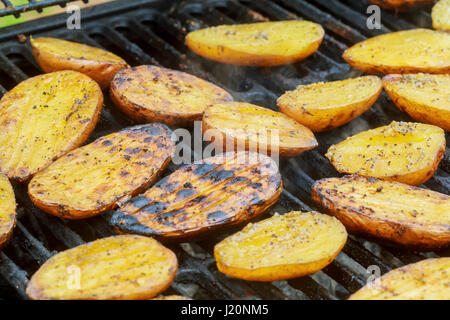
x,y
441,15
126,267
327,105
281,247
96,177
154,94
392,211
400,4
424,280
402,151
44,117
249,127
207,195
7,210
56,54
425,97
410,51
261,44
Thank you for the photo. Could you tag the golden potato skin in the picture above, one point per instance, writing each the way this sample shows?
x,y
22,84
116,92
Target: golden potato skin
x,y
440,14
282,247
391,211
208,195
44,117
261,44
7,210
125,267
155,94
400,4
172,297
96,177
406,152
409,51
424,280
326,105
250,127
56,54
425,97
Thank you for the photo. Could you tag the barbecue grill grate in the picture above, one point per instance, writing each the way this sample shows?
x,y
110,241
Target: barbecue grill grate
x,y
10,9
145,32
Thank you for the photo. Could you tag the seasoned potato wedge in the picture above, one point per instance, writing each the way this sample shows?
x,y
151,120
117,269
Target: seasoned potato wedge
x,y
249,127
393,211
400,4
171,297
56,54
44,117
402,151
441,15
410,51
96,177
261,44
281,247
425,97
154,94
207,195
126,267
327,105
424,280
7,210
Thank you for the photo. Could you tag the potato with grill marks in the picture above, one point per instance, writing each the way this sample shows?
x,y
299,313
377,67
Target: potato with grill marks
x,y
155,94
208,195
98,176
7,210
126,267
387,210
43,118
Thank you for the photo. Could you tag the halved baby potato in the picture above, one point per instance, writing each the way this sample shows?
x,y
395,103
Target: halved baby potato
x,y
97,177
400,4
261,44
440,15
402,151
125,267
208,195
392,211
7,210
284,246
155,94
425,97
44,117
424,280
409,51
244,126
326,105
56,54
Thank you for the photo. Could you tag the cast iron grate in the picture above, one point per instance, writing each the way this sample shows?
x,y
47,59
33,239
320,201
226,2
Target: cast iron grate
x,y
38,5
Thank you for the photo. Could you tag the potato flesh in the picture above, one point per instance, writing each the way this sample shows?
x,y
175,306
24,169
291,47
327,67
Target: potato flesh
x,y
402,151
411,51
425,97
119,267
440,15
95,177
425,280
7,209
44,117
326,105
250,125
303,242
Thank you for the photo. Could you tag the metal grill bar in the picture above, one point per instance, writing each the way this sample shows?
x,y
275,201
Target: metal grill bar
x,y
31,5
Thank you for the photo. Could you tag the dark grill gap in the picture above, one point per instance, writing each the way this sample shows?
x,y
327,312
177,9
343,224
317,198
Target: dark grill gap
x,y
145,32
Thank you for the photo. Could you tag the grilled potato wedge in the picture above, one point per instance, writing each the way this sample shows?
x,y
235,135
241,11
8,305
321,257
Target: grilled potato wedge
x,y
392,211
126,267
56,54
250,127
44,117
410,51
440,15
402,151
207,195
425,97
400,5
261,44
326,105
172,297
281,247
7,210
154,94
424,280
96,177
